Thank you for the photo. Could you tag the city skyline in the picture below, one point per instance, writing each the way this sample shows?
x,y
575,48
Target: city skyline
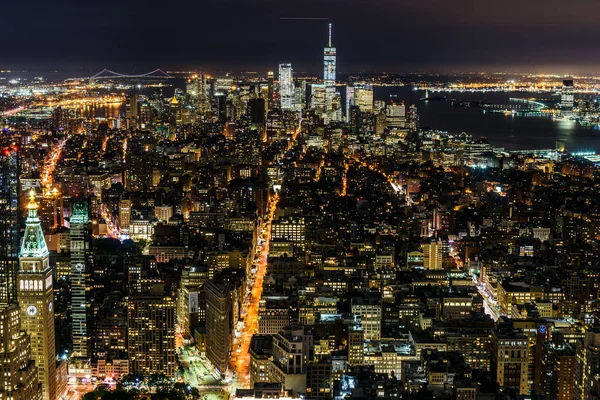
x,y
299,232
377,36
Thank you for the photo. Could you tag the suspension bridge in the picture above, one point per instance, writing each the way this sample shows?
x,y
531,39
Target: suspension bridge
x,y
108,74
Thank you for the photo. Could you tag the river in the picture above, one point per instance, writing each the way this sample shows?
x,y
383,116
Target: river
x,y
509,131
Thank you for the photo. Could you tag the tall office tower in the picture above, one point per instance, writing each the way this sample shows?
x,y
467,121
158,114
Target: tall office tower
x,y
368,308
558,371
380,122
132,107
432,255
317,99
19,380
163,213
412,118
303,93
151,333
587,365
79,273
257,111
298,98
270,98
191,300
286,86
509,358
363,98
292,348
124,214
139,166
566,95
219,324
261,348
192,87
329,67
355,119
396,116
36,300
355,343
198,90
350,102
9,226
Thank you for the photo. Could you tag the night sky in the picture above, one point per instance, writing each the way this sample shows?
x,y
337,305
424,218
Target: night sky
x,y
371,35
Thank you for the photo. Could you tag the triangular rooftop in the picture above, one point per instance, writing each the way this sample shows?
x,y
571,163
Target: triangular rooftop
x,y
34,243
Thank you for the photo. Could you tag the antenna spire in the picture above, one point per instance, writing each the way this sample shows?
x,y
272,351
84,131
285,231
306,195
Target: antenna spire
x,y
330,34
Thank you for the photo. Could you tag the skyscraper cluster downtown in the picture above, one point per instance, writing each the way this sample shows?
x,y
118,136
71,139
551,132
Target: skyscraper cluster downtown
x,y
325,98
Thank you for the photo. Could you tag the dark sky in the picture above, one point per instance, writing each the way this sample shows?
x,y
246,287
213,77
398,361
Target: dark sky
x,y
373,35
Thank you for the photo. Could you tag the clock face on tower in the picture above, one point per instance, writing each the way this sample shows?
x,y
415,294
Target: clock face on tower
x,y
50,306
79,267
31,310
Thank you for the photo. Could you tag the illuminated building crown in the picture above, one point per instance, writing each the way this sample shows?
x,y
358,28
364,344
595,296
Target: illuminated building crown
x,y
34,243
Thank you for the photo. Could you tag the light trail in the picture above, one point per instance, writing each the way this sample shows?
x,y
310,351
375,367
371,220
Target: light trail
x,y
490,306
50,164
320,168
12,112
111,230
124,149
345,178
241,363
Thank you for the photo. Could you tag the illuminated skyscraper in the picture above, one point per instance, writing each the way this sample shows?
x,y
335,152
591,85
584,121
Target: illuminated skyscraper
x,y
329,58
329,71
79,268
198,89
558,370
360,96
36,300
350,101
432,255
396,116
20,379
9,230
270,80
363,98
151,333
566,95
124,214
286,86
132,106
317,100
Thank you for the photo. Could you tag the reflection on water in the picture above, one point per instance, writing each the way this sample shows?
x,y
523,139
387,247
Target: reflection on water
x,y
110,110
508,131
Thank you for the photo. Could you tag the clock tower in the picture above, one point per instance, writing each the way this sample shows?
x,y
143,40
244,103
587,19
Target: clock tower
x,y
35,295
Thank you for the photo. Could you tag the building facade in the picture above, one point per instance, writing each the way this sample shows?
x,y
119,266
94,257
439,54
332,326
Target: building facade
x,y
79,273
19,380
286,87
9,213
151,333
36,300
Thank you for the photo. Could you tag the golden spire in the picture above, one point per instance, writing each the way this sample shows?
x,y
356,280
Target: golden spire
x,y
32,203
